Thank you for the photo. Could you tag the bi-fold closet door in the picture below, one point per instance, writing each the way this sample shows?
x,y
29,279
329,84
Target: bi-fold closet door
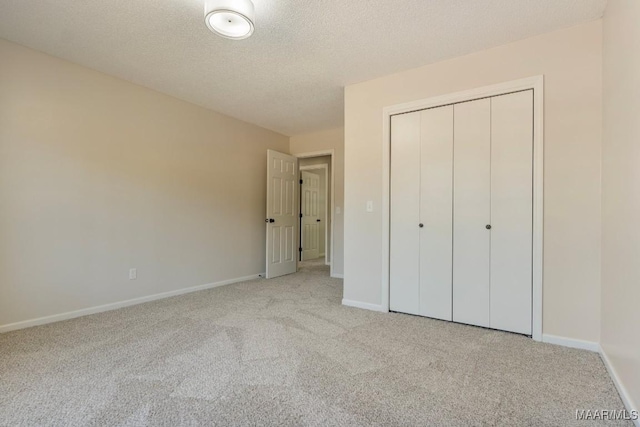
x,y
421,212
461,212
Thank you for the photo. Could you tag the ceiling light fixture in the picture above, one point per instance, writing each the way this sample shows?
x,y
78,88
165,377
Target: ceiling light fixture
x,y
232,19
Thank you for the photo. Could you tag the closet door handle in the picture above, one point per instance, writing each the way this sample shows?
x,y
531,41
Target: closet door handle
x,y
488,226
421,225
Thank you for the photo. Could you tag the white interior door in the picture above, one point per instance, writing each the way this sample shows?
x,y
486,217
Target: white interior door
x,y
511,211
282,214
404,263
310,215
436,209
472,212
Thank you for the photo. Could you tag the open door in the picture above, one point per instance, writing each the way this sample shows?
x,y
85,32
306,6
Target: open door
x,y
282,214
310,215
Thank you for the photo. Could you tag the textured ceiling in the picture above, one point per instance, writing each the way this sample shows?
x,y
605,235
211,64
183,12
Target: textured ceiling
x,y
289,76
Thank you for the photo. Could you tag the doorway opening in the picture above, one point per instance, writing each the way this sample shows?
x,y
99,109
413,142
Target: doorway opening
x,y
316,207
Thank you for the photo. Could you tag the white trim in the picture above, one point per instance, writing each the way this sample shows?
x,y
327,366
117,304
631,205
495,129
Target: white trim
x,y
330,152
327,202
622,390
363,305
571,342
337,276
116,305
320,153
537,84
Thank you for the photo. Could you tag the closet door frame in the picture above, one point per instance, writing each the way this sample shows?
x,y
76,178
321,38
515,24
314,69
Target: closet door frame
x,y
536,84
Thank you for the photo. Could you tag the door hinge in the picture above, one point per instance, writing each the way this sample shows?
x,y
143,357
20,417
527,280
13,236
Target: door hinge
x,y
299,249
300,181
300,215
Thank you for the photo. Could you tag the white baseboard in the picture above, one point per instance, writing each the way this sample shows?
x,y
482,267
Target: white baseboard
x,y
622,390
114,306
571,342
363,305
337,276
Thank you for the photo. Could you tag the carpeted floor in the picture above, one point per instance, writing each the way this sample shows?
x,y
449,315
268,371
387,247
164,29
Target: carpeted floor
x,y
285,352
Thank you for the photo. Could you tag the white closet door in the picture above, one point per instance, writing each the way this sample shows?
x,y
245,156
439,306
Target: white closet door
x,y
472,212
436,209
405,209
511,211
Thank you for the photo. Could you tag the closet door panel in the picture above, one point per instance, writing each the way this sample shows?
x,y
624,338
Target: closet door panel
x,y
436,210
405,210
511,211
472,212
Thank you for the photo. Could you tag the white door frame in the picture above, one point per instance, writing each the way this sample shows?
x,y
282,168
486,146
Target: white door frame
x,y
331,152
537,84
326,205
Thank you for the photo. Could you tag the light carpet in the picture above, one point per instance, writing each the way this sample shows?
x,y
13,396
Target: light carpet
x,y
285,352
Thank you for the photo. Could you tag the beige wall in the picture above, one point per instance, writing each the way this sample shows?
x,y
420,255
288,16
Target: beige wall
x,y
571,61
621,193
320,141
98,175
325,199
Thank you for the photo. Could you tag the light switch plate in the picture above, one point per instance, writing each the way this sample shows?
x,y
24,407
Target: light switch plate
x,y
370,206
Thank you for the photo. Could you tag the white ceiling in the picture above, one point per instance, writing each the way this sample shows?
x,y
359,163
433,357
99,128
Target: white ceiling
x,y
289,76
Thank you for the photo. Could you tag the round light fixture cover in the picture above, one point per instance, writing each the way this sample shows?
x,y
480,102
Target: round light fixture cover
x,y
232,19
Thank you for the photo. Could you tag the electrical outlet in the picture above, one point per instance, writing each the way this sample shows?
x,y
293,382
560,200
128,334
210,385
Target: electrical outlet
x,y
133,273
